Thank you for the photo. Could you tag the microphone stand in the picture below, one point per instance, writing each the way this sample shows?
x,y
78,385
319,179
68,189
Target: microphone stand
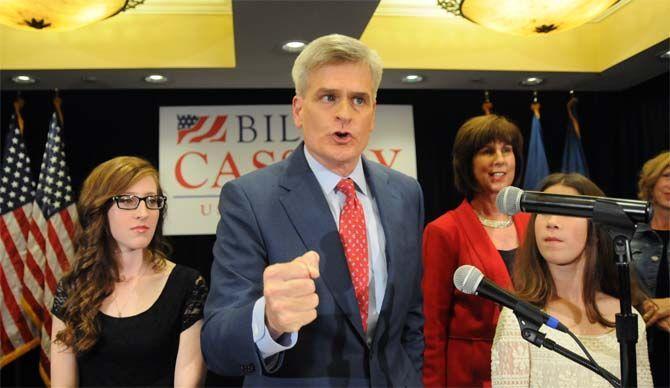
x,y
530,332
611,216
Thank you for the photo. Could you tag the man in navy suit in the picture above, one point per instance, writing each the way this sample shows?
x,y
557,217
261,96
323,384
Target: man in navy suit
x,y
317,262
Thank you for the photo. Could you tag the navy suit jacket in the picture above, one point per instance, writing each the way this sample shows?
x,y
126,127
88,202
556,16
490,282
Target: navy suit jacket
x,y
278,213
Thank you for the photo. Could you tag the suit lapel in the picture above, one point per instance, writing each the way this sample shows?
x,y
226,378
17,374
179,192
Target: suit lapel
x,y
308,210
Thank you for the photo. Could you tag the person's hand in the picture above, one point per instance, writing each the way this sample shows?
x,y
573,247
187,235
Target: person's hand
x,y
664,324
290,294
648,308
657,312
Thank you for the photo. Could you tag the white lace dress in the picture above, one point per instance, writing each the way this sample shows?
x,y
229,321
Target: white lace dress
x,y
517,363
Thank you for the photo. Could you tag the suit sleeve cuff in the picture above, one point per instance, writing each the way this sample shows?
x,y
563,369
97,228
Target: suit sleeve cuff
x,y
262,338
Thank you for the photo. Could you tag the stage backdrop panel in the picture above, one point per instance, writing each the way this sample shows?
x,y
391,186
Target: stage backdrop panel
x,y
203,147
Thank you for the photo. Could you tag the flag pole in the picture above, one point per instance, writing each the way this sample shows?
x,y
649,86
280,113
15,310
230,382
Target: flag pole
x,y
571,104
535,105
19,103
57,105
487,105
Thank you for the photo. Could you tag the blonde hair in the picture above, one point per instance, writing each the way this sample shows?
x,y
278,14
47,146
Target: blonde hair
x,y
650,173
335,48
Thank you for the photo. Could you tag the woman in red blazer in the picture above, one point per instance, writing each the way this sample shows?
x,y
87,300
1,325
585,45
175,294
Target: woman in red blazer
x,y
459,328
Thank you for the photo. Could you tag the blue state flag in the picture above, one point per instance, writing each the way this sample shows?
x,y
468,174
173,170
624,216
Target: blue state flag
x,y
537,167
574,159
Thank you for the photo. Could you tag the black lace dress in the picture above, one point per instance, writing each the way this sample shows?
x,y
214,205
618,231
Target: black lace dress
x,y
141,350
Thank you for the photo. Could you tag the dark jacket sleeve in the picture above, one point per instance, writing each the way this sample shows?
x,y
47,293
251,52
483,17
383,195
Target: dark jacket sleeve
x,y
236,284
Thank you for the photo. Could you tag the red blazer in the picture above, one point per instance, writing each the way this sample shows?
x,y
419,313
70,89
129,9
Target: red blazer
x,y
459,328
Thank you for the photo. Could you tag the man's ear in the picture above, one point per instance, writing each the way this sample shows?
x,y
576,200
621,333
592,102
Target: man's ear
x,y
296,110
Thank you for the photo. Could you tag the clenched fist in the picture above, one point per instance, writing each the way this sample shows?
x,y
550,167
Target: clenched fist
x,y
290,294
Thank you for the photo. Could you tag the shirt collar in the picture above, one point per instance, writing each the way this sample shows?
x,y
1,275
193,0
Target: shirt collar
x,y
328,180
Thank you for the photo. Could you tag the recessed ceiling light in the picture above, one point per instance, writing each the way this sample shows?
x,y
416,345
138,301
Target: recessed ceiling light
x,y
156,79
294,46
23,79
412,78
665,55
532,81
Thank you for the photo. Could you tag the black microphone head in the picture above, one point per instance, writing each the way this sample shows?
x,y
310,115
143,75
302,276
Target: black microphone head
x,y
467,279
509,200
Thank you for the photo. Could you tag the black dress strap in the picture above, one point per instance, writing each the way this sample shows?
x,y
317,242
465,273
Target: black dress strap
x,y
193,309
58,306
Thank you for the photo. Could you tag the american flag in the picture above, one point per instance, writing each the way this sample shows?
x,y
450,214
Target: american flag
x,y
51,250
186,121
18,334
188,124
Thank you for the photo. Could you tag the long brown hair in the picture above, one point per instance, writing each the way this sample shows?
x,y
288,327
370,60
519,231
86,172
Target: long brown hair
x,y
94,271
532,279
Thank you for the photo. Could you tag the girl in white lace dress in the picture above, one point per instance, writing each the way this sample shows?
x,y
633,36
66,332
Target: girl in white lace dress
x,y
566,267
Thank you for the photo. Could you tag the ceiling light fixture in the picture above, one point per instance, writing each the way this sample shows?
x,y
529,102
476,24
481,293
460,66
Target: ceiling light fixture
x,y
156,79
412,78
23,79
60,14
294,46
527,17
531,81
664,55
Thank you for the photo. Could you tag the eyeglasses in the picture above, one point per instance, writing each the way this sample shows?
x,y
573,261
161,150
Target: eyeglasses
x,y
131,202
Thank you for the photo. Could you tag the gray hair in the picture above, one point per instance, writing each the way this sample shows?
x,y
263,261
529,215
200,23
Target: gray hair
x,y
335,48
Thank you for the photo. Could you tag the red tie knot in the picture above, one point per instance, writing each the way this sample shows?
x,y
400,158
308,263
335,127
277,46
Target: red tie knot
x,y
346,186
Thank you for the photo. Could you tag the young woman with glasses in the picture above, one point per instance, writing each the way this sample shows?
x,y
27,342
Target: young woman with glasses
x,y
125,315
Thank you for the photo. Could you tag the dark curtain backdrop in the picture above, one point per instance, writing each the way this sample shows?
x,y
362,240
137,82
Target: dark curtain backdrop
x,y
620,131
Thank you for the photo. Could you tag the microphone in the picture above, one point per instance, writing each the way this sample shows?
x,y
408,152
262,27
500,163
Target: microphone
x,y
511,200
470,280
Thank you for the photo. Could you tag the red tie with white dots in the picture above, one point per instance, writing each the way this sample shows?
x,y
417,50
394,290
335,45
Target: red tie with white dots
x,y
354,239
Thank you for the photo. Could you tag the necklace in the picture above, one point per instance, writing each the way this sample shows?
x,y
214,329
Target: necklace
x,y
495,224
119,309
